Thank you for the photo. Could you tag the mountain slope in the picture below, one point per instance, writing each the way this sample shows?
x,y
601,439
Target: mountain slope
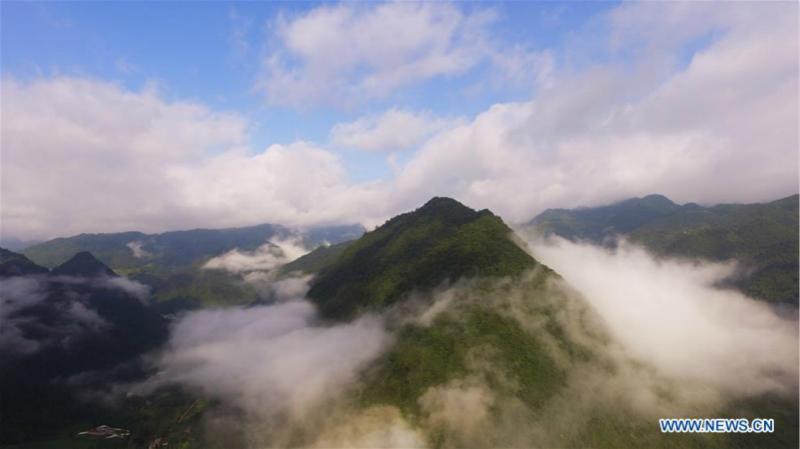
x,y
762,237
82,264
13,264
175,249
79,318
441,241
501,357
598,223
171,262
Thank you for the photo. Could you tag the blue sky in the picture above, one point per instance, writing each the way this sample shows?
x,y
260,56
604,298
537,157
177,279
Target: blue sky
x,y
193,50
169,115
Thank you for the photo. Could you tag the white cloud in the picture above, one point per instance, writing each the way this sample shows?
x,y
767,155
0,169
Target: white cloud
x,y
18,293
349,52
103,155
71,317
270,361
720,126
137,250
723,128
394,130
670,313
238,38
116,160
129,286
278,251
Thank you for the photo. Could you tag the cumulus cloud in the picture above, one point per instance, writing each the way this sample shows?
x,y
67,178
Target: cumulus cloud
x,y
106,148
135,160
673,315
278,251
394,130
349,52
711,127
615,131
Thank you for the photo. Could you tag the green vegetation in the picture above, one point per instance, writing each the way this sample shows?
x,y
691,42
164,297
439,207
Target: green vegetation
x,y
170,263
425,357
762,237
510,334
598,223
13,264
439,242
176,249
316,260
194,287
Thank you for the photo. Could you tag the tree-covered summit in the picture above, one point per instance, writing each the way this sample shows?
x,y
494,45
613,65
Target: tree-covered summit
x,y
439,242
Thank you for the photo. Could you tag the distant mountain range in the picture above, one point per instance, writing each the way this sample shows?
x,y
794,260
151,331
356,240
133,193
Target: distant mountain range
x,y
170,263
762,237
125,251
478,326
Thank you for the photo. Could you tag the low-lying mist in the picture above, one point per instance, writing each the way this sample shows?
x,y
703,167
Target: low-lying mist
x,y
636,337
674,314
273,366
28,325
277,251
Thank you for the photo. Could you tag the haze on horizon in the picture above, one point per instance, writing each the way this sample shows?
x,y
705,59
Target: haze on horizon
x,y
315,114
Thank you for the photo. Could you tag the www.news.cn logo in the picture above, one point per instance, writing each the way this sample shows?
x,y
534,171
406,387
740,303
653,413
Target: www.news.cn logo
x,y
720,425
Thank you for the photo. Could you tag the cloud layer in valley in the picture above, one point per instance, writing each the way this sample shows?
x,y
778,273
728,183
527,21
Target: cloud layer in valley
x,y
674,315
276,252
665,339
27,325
276,363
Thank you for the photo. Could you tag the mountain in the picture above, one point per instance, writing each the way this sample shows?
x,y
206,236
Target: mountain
x,y
15,244
762,237
318,259
78,319
13,264
485,347
83,264
441,241
176,249
598,223
171,263
490,346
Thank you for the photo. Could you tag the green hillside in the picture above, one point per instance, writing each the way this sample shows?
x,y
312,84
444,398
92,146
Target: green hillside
x,y
441,241
13,264
598,223
317,260
762,237
176,249
511,346
170,263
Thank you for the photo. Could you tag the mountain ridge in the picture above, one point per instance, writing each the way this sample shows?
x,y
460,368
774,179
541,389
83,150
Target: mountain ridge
x,y
439,242
762,237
